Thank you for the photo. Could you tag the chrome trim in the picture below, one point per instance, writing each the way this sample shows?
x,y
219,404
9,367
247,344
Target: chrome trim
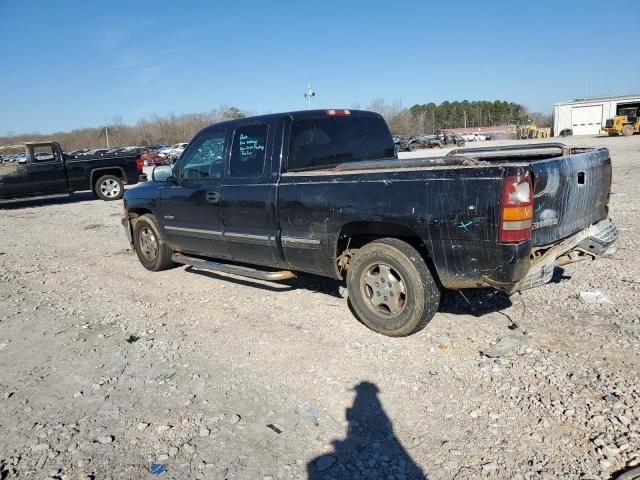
x,y
247,238
305,243
193,232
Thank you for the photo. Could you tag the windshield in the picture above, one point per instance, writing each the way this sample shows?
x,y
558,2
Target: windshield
x,y
629,112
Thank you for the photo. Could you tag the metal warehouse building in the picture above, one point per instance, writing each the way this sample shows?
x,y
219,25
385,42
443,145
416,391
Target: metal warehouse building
x,y
588,116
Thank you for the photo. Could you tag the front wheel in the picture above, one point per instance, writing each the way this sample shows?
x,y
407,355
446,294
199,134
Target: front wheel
x,y
152,249
109,187
627,130
391,289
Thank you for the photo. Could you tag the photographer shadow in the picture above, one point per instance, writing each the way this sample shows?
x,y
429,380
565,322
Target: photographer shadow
x,y
370,450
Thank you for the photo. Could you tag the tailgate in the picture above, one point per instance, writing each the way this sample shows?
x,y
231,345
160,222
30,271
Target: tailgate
x,y
570,194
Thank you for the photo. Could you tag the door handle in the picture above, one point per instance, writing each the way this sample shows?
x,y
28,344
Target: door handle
x,y
213,197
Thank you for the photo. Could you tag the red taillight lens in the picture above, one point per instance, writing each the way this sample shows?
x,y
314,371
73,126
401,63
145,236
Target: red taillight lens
x,y
337,113
139,163
516,209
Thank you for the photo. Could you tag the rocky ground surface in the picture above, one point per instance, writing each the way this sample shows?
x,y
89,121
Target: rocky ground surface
x,y
107,369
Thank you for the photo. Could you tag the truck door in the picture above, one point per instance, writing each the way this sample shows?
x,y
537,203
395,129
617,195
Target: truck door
x,y
47,173
248,194
191,206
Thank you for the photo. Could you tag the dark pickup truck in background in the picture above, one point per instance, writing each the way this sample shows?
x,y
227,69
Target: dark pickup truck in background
x,y
324,192
43,169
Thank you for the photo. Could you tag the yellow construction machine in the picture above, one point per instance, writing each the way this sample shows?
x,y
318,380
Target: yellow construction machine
x,y
627,122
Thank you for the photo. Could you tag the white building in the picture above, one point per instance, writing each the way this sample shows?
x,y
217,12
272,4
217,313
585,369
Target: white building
x,y
587,117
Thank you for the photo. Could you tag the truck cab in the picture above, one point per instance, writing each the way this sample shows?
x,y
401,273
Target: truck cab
x,y
40,171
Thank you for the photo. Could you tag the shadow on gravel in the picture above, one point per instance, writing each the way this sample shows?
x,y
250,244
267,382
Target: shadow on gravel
x,y
476,301
306,281
371,449
45,201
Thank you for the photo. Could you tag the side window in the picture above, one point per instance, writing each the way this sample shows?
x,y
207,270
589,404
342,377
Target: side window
x,y
248,151
205,157
44,153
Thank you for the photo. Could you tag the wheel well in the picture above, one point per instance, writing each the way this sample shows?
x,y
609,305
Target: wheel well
x,y
355,235
96,174
136,212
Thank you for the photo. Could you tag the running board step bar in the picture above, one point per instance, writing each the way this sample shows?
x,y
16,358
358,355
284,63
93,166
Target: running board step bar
x,y
232,269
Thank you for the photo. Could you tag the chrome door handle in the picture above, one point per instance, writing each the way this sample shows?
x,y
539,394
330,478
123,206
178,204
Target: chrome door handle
x,y
213,197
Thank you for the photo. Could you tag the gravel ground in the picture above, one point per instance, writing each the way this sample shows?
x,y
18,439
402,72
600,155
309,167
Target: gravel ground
x,y
106,368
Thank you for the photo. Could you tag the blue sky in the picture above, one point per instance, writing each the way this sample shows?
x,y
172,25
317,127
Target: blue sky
x,y
70,64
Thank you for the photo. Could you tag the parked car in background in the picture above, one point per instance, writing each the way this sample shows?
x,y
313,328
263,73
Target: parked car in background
x,y
401,143
453,139
95,152
152,158
77,152
174,150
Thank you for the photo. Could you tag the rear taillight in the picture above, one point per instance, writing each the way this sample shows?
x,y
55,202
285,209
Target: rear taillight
x,y
139,163
337,113
516,209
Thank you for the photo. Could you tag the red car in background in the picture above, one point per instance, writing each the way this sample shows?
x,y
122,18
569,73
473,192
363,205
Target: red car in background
x,y
152,158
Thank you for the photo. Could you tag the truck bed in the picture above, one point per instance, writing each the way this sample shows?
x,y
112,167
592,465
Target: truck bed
x,y
452,201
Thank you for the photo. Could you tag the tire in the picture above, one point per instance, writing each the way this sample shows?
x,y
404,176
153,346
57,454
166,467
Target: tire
x,y
150,245
627,130
109,187
391,289
613,134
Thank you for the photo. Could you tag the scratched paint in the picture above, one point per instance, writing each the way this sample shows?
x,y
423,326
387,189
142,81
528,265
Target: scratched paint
x,y
439,213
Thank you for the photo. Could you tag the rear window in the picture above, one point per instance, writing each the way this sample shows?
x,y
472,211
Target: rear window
x,y
326,142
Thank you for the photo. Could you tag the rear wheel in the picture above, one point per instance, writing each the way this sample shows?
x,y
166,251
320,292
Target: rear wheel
x,y
627,130
391,289
151,247
109,187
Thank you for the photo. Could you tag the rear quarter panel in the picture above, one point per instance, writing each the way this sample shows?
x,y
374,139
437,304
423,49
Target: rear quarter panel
x,y
454,212
79,171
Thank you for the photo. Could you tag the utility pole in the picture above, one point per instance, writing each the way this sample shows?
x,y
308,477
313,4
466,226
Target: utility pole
x,y
308,94
586,89
433,121
106,130
465,120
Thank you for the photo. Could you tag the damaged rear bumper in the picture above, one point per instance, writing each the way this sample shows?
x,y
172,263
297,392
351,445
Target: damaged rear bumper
x,y
586,244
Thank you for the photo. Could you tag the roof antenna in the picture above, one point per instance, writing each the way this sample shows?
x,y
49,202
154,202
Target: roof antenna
x,y
308,94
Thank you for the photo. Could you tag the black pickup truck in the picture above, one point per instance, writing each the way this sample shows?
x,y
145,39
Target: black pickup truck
x,y
43,169
324,192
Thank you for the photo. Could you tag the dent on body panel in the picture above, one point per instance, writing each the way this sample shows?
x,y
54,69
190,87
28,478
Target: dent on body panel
x,y
545,190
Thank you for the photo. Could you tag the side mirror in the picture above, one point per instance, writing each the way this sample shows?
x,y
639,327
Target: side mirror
x,y
162,173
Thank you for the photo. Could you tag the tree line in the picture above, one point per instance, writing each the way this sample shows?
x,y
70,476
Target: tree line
x,y
429,117
154,130
170,129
